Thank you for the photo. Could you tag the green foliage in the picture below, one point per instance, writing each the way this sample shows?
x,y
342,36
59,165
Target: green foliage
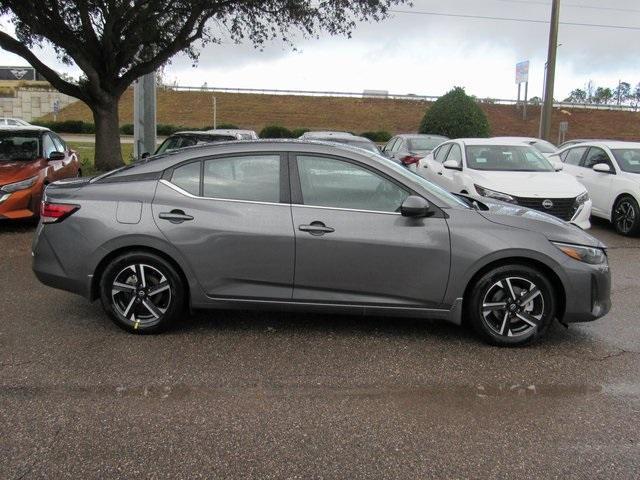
x,y
67,126
456,115
126,129
165,130
298,132
225,126
275,131
381,136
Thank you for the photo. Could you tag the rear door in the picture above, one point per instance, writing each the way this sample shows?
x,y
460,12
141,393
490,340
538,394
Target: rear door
x,y
352,245
230,217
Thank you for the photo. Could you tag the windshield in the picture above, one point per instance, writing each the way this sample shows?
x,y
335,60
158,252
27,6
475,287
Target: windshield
x,y
445,197
498,158
628,159
543,146
19,146
418,144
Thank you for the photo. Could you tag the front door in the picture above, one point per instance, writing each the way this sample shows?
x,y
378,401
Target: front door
x,y
230,218
352,245
597,183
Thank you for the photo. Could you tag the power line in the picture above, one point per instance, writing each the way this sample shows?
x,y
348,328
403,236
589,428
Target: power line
x,y
509,19
572,5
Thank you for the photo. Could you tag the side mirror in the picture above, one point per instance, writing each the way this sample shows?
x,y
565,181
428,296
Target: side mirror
x,y
602,168
54,156
558,166
145,155
415,207
452,165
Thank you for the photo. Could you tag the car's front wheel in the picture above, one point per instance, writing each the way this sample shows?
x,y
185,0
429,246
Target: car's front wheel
x,y
142,292
626,216
511,305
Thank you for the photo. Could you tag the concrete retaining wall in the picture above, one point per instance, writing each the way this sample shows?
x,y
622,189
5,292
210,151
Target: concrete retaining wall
x,y
29,104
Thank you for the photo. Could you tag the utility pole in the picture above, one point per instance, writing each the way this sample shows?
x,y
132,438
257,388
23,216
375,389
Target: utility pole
x,y
547,108
144,115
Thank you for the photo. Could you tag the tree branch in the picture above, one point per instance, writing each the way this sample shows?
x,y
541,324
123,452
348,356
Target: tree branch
x,y
7,42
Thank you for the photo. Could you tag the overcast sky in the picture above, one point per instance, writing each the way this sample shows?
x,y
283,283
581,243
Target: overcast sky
x,y
428,54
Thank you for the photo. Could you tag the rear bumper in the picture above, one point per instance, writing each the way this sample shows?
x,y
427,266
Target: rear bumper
x,y
588,292
48,268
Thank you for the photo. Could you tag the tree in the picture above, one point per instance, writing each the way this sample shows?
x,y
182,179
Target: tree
x,y
577,96
602,95
456,115
622,93
114,42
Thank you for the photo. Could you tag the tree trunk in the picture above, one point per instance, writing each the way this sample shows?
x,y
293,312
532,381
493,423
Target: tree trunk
x,y
108,149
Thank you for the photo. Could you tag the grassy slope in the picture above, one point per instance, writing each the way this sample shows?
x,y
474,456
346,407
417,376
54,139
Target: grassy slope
x,y
254,111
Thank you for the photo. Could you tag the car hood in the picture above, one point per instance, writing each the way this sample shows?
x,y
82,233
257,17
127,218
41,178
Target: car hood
x,y
11,172
527,219
530,184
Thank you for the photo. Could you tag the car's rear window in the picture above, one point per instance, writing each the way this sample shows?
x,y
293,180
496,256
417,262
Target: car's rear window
x,y
19,146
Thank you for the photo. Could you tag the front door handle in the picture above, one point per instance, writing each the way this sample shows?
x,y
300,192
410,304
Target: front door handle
x,y
176,216
439,173
316,228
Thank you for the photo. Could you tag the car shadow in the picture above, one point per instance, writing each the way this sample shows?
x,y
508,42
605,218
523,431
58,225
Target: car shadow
x,y
18,226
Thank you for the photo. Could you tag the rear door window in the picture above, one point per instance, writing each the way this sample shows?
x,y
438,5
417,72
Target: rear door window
x,y
574,156
248,177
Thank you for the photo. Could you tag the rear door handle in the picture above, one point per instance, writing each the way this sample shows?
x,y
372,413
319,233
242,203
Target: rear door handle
x,y
176,216
316,228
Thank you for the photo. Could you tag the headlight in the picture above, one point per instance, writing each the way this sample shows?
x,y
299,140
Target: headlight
x,y
503,197
590,255
22,185
582,198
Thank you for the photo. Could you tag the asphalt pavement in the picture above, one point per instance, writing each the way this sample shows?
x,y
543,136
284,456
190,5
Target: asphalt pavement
x,y
270,395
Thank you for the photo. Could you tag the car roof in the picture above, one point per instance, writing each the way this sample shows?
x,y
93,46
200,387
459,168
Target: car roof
x,y
23,128
332,138
522,139
328,134
501,141
229,130
203,133
421,135
607,143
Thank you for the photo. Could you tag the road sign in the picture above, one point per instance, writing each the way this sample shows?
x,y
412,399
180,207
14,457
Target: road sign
x,y
522,72
564,127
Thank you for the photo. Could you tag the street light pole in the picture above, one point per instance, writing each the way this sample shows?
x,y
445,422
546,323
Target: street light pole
x,y
547,108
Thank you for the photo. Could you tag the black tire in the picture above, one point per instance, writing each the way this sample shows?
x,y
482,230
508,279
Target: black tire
x,y
626,216
142,292
511,326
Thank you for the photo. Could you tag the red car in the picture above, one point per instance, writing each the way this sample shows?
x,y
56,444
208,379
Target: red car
x,y
31,158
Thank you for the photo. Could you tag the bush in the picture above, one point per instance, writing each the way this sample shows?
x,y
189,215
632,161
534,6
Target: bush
x,y
226,126
298,132
380,136
456,115
67,126
126,129
165,130
275,131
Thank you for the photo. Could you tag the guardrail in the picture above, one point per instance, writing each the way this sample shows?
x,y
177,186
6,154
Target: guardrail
x,y
391,96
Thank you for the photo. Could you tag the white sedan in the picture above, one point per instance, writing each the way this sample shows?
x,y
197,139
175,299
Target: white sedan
x,y
610,171
508,171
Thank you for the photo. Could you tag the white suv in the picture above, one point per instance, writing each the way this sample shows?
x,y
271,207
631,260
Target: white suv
x,y
509,171
611,172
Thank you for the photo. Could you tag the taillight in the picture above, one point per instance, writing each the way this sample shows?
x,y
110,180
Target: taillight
x,y
56,212
411,159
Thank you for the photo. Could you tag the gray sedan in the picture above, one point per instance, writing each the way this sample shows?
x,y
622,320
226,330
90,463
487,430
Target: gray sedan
x,y
311,226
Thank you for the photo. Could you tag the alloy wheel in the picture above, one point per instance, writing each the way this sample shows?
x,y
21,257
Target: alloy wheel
x,y
625,216
513,307
141,294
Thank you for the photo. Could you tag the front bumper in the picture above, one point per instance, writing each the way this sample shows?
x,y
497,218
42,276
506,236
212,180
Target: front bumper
x,y
20,204
588,292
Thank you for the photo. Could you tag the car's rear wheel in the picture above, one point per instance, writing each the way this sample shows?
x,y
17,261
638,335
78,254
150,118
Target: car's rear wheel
x,y
511,305
142,292
626,216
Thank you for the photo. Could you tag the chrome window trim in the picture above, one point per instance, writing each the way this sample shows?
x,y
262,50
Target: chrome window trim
x,y
196,197
345,209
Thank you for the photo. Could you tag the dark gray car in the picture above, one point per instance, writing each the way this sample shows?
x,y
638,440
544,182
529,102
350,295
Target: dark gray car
x,y
311,226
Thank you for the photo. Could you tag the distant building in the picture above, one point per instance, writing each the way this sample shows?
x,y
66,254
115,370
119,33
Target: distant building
x,y
375,94
20,74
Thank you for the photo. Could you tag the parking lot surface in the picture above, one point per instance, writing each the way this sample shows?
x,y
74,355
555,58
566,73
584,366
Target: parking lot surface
x,y
271,395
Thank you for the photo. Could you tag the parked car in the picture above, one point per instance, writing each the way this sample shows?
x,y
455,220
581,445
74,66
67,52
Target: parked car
x,y
409,149
544,147
13,122
189,139
611,173
244,134
343,138
30,158
509,171
311,226
570,143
